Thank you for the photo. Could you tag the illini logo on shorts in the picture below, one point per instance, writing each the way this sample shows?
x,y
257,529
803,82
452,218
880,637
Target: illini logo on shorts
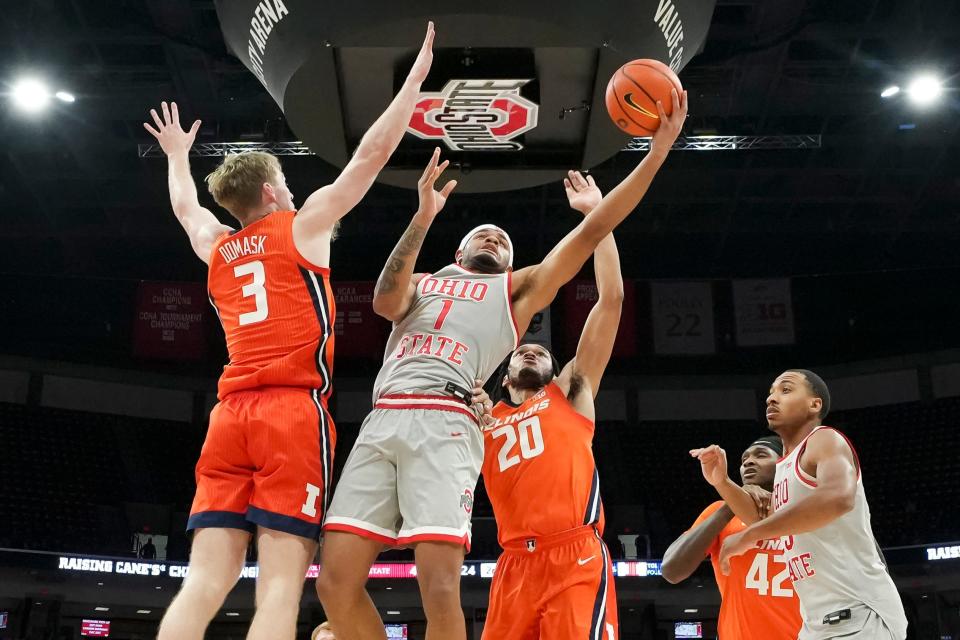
x,y
475,115
466,500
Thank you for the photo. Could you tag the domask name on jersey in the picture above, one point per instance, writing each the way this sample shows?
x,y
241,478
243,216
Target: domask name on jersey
x,y
242,247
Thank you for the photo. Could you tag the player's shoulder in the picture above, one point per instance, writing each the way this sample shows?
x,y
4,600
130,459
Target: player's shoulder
x,y
827,439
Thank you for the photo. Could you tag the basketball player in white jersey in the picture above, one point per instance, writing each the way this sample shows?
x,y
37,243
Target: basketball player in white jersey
x,y
410,478
822,517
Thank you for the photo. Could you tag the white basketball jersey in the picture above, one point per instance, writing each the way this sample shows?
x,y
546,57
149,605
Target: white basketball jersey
x,y
838,566
459,328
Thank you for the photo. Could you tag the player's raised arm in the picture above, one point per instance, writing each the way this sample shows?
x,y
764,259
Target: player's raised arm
x,y
600,329
536,286
836,471
324,207
713,464
201,225
396,284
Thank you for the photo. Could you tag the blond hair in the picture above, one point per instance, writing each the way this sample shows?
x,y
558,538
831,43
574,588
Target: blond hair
x,y
235,185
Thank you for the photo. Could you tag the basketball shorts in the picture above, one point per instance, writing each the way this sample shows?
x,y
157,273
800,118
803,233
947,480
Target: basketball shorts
x,y
411,474
864,624
557,587
267,460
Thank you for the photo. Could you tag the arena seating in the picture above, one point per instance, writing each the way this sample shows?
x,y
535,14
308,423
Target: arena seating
x,y
66,474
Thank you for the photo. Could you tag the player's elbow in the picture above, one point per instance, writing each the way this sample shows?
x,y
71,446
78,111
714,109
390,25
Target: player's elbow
x,y
387,308
842,502
671,573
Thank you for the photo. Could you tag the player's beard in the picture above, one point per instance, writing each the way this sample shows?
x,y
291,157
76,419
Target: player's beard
x,y
484,262
530,378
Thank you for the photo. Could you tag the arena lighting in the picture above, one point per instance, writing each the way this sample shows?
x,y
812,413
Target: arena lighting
x,y
101,608
393,613
143,610
890,91
65,96
924,90
690,610
30,95
232,614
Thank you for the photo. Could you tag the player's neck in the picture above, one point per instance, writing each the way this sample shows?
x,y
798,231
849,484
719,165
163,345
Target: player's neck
x,y
255,215
519,396
792,437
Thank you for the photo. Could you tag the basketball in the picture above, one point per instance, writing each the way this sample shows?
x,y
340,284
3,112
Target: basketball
x,y
632,95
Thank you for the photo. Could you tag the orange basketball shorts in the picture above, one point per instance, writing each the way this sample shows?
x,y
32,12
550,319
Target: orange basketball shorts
x,y
268,461
558,587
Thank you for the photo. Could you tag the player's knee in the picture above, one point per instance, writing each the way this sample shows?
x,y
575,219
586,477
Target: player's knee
x,y
440,592
335,587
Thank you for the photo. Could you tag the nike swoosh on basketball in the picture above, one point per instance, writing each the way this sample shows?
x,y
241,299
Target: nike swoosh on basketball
x,y
583,562
628,98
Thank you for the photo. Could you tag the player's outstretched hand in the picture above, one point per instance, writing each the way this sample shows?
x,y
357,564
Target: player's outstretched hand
x,y
734,545
670,126
583,194
482,404
431,200
421,66
713,463
761,498
169,133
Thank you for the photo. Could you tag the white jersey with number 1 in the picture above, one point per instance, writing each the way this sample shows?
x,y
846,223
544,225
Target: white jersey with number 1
x,y
838,567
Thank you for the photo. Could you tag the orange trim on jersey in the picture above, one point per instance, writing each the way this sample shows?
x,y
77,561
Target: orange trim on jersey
x,y
435,537
363,533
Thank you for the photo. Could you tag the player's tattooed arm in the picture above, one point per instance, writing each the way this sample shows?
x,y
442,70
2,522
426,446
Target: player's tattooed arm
x,y
325,206
685,554
396,285
202,227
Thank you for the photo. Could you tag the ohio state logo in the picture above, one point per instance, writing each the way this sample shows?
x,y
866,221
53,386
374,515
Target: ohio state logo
x,y
466,500
475,115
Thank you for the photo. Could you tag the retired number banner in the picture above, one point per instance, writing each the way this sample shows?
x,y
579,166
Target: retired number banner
x,y
682,318
764,311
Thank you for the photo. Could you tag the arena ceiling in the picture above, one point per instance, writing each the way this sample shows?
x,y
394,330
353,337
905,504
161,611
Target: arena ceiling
x,y
882,192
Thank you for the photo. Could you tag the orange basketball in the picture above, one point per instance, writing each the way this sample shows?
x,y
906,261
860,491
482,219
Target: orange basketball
x,y
632,95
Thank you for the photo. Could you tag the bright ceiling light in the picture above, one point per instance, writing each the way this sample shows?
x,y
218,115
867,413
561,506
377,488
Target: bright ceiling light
x,y
393,613
924,90
31,95
232,614
101,608
890,91
143,610
65,96
690,610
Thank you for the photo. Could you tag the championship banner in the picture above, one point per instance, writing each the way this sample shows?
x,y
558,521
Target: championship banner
x,y
360,332
682,318
764,312
539,330
579,297
169,322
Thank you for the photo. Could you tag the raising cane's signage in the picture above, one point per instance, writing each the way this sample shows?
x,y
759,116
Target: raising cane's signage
x,y
475,115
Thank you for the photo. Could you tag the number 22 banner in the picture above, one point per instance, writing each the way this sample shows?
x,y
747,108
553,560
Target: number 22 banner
x,y
682,318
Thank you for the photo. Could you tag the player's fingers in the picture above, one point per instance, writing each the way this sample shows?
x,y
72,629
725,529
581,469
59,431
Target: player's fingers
x,y
156,119
153,132
166,112
591,181
675,100
448,188
661,113
174,113
194,128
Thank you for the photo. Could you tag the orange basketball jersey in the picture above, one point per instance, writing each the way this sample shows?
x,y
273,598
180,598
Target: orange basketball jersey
x,y
276,309
757,598
538,468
